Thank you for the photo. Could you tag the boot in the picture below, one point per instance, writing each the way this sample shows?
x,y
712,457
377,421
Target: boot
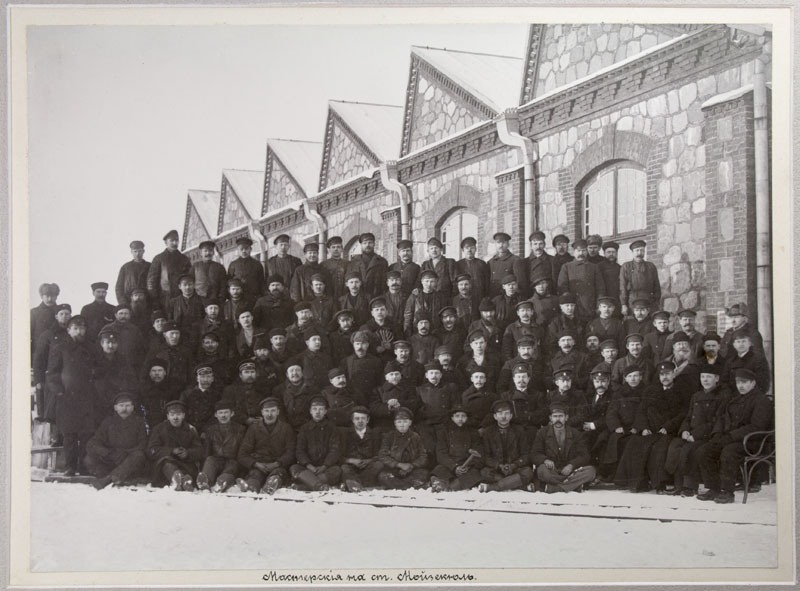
x,y
709,495
176,482
101,483
724,497
310,480
272,484
387,480
202,481
242,484
186,483
512,482
438,485
353,486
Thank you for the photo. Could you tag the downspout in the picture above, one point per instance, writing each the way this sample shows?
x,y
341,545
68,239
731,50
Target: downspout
x,y
256,234
322,227
763,198
390,183
508,132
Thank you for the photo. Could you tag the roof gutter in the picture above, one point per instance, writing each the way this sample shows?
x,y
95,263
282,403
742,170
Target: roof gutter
x,y
389,181
508,132
321,224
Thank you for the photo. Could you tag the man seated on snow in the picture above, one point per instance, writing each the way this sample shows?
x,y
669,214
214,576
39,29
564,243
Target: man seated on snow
x,y
340,400
267,451
459,454
318,450
115,453
222,440
395,392
560,454
403,455
361,444
175,449
507,450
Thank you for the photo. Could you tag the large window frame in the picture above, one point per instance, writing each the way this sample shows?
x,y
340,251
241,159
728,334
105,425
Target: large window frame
x,y
462,230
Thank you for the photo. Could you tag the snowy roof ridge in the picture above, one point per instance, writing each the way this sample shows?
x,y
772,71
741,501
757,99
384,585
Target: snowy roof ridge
x,y
301,159
464,51
206,204
377,125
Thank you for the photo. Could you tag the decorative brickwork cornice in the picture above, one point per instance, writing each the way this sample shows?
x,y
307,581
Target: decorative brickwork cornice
x,y
535,35
710,47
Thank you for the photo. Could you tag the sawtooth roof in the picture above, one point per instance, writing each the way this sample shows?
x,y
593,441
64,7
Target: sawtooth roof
x,y
378,126
302,160
249,187
206,203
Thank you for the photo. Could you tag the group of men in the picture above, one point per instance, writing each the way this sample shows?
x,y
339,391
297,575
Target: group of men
x,y
551,372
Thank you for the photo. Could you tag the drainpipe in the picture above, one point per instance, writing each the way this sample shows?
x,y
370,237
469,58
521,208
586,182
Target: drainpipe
x,y
508,131
389,181
322,227
257,235
762,187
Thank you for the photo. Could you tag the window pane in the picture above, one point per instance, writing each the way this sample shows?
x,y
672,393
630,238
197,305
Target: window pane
x,y
461,224
353,250
599,205
632,200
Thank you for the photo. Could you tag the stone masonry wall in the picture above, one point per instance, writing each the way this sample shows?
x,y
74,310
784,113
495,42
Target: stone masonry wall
x,y
569,52
437,113
666,134
346,158
363,216
235,214
196,233
281,189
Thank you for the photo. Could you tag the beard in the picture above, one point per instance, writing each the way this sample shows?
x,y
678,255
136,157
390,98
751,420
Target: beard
x,y
138,307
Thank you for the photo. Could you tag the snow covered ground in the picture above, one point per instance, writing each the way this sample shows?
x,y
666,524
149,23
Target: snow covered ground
x,y
76,528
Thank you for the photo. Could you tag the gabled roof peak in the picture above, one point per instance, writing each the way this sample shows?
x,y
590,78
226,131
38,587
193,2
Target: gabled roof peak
x,y
464,52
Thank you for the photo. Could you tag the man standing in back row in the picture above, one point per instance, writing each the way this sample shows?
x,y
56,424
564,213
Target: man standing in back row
x,y
165,270
638,279
132,274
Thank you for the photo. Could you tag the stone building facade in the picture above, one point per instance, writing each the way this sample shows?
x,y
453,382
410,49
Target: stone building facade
x,y
634,131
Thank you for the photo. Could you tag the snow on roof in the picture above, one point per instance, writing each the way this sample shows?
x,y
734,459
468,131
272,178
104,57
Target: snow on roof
x,y
607,69
249,188
206,203
727,96
302,159
379,126
492,79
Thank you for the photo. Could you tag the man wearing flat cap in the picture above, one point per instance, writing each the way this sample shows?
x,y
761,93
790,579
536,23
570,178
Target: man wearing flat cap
x,y
221,442
710,355
370,266
408,269
112,373
116,452
177,354
593,244
381,329
336,266
322,305
638,278
582,279
267,451
477,269
746,358
165,270
43,315
210,277
540,263
685,360
187,307
48,340
245,394
560,454
201,397
444,267
132,274
395,298
247,269
360,446
562,255
70,377
318,450
507,459
459,453
275,308
315,362
738,315
283,264
505,263
430,301
362,369
300,286
748,410
403,455
610,270
98,313
686,323
175,449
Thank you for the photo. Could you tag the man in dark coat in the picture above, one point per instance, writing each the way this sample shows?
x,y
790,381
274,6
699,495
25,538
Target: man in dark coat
x,y
336,266
70,376
300,286
540,263
221,441
395,298
477,269
459,454
370,266
176,353
466,301
505,263
655,341
686,320
112,374
595,428
610,270
165,270
444,267
408,269
430,300
403,455
210,277
175,449
212,321
362,369
202,397
132,274
318,450
395,392
747,411
560,454
745,357
247,270
739,321
267,451
562,256
283,264
155,390
98,313
275,309
187,307
583,279
245,394
507,452
621,417
48,340
360,447
382,330
131,340
43,315
116,452
593,244
140,311
638,279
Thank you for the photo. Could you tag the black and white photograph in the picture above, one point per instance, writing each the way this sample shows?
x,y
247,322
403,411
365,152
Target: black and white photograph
x,y
379,297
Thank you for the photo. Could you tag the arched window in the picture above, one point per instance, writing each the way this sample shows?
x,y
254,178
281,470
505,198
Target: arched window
x,y
457,226
614,205
352,248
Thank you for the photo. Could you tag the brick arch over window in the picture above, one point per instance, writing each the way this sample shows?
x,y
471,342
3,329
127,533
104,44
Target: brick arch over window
x,y
357,226
456,196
